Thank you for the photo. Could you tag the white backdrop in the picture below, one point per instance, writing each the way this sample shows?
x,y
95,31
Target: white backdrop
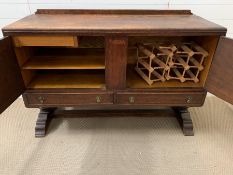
x,y
219,11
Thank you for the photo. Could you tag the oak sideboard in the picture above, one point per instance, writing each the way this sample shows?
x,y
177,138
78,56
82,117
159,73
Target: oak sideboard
x,y
114,60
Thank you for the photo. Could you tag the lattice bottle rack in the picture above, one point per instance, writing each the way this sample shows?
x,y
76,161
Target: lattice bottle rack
x,y
166,62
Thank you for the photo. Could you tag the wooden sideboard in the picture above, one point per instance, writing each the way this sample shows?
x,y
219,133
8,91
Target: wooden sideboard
x,y
114,60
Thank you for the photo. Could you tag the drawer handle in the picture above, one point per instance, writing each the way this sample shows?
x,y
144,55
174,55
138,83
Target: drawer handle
x,y
41,99
189,99
98,99
131,99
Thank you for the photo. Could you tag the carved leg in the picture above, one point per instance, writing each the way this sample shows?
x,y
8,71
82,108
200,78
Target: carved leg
x,y
42,121
184,118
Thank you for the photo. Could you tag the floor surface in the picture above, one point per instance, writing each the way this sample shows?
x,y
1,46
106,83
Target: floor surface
x,y
118,145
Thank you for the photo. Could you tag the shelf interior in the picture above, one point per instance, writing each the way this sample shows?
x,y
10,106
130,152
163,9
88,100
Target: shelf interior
x,y
84,67
67,79
134,80
54,58
64,67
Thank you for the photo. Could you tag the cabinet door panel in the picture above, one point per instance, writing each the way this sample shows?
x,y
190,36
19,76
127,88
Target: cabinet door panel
x,y
220,77
11,82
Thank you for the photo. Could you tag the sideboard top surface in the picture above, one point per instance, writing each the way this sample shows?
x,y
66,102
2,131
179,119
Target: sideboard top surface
x,y
127,22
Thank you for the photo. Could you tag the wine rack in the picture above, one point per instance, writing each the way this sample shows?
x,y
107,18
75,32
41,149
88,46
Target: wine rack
x,y
167,61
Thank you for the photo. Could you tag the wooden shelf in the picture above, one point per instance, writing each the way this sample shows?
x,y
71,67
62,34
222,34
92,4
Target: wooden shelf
x,y
135,81
66,62
67,80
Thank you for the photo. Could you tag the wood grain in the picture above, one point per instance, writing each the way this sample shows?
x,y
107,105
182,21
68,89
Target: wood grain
x,y
71,99
116,60
10,77
67,80
104,24
23,54
115,11
66,62
151,97
41,40
220,77
161,99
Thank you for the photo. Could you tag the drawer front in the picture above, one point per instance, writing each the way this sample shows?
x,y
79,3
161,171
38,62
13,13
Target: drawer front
x,y
161,99
70,41
53,99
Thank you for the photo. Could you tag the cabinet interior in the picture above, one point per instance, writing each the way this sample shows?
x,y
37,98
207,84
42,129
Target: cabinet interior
x,y
64,67
84,66
137,59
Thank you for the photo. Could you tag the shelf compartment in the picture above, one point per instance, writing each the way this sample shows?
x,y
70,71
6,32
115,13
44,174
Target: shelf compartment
x,y
192,74
166,61
75,60
176,73
135,81
149,66
67,79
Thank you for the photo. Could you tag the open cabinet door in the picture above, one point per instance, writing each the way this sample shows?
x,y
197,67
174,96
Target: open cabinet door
x,y
11,82
220,77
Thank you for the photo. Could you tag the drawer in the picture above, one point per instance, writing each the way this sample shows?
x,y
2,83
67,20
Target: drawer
x,y
69,41
161,99
71,99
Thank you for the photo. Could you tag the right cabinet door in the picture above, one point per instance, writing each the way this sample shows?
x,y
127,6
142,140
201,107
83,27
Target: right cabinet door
x,y
220,77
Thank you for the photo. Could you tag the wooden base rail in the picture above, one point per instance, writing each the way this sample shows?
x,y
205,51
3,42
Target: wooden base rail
x,y
181,113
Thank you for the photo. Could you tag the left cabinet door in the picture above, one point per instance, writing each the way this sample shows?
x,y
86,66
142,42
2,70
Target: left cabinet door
x,y
11,82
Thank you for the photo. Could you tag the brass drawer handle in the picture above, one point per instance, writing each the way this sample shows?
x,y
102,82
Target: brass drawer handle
x,y
98,99
189,99
131,99
41,99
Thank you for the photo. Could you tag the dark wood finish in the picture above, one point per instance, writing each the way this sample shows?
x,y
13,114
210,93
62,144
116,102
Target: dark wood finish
x,y
220,77
86,99
43,120
68,99
113,12
185,121
10,77
116,61
86,90
161,99
115,85
161,112
127,23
